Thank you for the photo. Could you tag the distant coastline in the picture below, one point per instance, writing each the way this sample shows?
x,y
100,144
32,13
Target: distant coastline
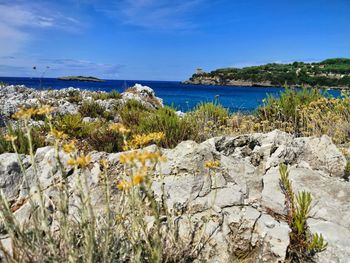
x,y
80,78
328,74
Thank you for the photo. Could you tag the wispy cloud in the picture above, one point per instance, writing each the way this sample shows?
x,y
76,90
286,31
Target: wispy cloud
x,y
10,65
152,14
19,19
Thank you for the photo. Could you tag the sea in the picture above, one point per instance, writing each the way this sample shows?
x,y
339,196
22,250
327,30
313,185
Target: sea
x,y
182,97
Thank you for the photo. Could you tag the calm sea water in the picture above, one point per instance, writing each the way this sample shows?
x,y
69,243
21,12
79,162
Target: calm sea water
x,y
182,97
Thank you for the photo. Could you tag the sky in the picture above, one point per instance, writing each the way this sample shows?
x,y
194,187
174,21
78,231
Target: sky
x,y
165,39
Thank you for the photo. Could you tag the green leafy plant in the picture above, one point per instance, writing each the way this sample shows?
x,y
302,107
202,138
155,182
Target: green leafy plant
x,y
165,120
132,112
91,109
21,143
303,244
107,95
73,125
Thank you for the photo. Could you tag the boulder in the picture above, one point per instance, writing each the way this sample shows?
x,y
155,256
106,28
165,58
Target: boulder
x,y
144,95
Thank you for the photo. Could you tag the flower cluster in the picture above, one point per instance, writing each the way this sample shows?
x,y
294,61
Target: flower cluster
x,y
141,157
140,140
144,158
10,137
69,147
212,164
58,135
82,161
25,114
118,127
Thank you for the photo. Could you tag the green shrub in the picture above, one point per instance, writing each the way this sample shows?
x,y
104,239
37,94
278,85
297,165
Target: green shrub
x,y
102,139
208,119
286,108
211,111
107,95
132,112
74,126
21,143
91,109
165,120
93,135
74,96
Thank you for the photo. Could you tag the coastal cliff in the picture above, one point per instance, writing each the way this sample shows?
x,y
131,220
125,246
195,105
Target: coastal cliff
x,y
330,73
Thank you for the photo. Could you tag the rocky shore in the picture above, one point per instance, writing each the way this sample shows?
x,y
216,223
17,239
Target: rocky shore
x,y
242,198
68,100
206,80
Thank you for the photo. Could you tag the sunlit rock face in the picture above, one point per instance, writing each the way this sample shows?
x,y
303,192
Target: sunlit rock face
x,y
239,205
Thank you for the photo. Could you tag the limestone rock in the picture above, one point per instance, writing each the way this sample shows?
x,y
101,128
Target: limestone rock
x,y
143,94
237,206
11,177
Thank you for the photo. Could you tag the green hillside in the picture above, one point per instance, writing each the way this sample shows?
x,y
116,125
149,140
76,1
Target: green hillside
x,y
333,72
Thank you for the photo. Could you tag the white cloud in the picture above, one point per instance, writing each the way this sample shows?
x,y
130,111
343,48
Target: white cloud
x,y
19,19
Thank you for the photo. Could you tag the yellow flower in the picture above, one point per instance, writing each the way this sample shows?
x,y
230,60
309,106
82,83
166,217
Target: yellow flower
x,y
104,163
141,157
25,114
45,110
70,147
138,179
59,135
118,127
71,162
140,140
212,164
82,161
10,138
123,185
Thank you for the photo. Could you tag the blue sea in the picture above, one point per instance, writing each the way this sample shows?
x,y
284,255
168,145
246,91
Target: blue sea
x,y
182,97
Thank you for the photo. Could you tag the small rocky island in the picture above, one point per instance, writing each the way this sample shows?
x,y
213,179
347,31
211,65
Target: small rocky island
x,y
80,78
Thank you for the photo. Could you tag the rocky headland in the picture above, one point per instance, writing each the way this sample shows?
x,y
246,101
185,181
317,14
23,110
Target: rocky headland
x,y
241,201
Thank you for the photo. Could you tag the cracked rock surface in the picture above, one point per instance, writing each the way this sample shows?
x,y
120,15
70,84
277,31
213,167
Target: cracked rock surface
x,y
239,205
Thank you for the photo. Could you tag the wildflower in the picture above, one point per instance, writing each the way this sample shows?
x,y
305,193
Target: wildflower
x,y
82,161
118,127
69,148
138,179
104,163
140,140
45,110
123,185
141,157
25,114
59,135
10,138
212,164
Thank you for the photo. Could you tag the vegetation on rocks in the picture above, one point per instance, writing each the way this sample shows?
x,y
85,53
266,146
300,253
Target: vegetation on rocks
x,y
303,245
135,222
328,73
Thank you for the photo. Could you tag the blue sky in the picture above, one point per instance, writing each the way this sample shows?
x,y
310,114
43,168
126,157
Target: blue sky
x,y
168,39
